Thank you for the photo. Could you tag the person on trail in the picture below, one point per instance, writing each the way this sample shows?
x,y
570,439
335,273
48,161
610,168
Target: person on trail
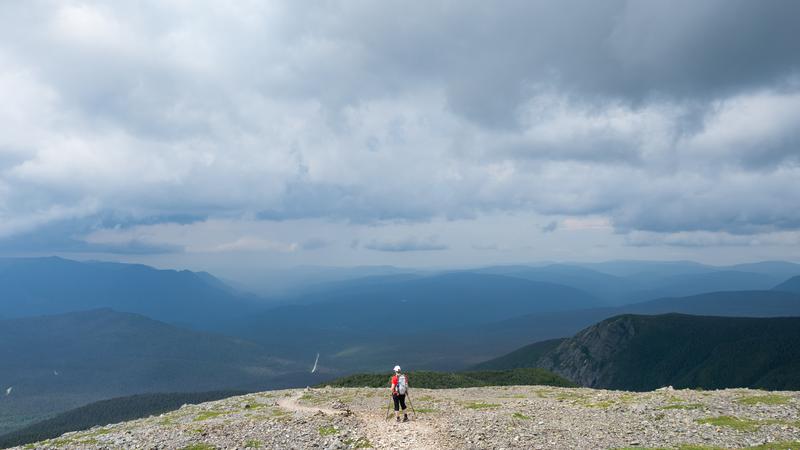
x,y
399,389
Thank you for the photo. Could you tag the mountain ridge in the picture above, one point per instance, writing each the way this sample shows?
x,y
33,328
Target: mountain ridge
x,y
184,297
636,352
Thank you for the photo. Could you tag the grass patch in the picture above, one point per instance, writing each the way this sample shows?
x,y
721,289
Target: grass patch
x,y
769,399
361,442
574,396
98,432
514,396
313,399
253,443
577,398
328,431
278,412
680,447
793,445
199,447
481,405
167,422
252,406
62,442
640,448
205,415
520,416
424,410
731,422
684,406
698,447
601,404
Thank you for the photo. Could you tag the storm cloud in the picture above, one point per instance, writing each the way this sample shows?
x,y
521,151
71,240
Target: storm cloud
x,y
664,118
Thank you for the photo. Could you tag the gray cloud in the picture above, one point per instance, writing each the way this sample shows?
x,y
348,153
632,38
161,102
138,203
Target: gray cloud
x,y
314,244
68,237
661,116
550,227
410,244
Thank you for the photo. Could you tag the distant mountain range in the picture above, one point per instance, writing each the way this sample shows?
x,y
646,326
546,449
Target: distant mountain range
x,y
634,282
633,352
519,331
433,302
614,282
52,363
157,337
447,320
36,286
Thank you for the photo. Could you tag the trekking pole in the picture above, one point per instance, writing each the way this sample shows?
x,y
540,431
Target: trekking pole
x,y
389,409
410,404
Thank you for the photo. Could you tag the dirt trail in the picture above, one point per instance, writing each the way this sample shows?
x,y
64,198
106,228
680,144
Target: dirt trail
x,y
415,434
292,404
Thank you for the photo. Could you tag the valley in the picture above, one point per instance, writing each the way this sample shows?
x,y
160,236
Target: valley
x,y
101,330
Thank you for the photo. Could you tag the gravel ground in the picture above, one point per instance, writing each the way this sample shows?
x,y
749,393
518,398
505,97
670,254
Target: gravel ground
x,y
517,417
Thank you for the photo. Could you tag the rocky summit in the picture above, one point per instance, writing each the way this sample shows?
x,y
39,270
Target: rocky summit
x,y
516,417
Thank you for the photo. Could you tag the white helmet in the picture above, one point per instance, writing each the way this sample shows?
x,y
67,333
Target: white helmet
x,y
397,368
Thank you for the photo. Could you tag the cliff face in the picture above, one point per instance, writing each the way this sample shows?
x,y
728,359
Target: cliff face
x,y
634,352
587,358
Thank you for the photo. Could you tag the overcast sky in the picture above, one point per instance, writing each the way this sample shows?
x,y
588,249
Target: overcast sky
x,y
223,134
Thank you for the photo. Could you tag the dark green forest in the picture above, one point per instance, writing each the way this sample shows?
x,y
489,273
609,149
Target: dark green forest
x,y
449,380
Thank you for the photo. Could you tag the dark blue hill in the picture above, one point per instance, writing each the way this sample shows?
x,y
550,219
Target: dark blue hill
x,y
790,285
35,286
436,302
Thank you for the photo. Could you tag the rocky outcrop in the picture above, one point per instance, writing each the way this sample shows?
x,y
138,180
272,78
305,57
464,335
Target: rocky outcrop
x,y
586,358
641,352
511,417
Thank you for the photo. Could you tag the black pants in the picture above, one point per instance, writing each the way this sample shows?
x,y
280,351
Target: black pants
x,y
399,400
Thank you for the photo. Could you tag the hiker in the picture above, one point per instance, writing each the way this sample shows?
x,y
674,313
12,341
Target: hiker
x,y
399,388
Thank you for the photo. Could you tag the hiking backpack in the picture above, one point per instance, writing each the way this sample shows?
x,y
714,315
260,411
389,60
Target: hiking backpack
x,y
402,385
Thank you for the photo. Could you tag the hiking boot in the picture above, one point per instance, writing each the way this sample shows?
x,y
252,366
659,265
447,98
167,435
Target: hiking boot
x,y
398,418
405,418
